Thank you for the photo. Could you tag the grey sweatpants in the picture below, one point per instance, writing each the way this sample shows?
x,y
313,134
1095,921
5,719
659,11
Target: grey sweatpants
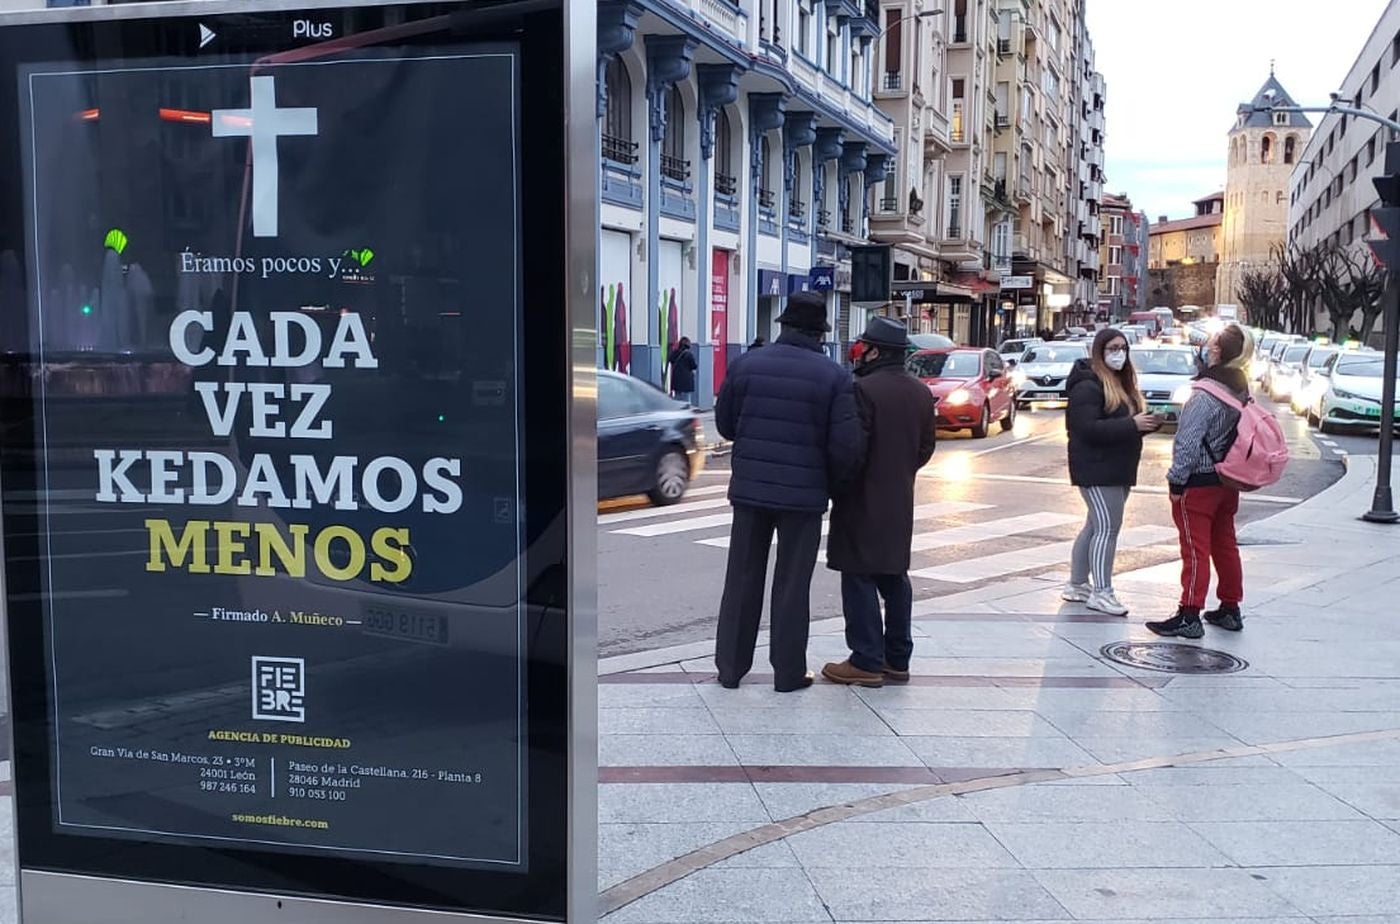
x,y
1097,543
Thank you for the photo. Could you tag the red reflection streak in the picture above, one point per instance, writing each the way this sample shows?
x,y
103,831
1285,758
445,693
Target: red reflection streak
x,y
89,115
185,115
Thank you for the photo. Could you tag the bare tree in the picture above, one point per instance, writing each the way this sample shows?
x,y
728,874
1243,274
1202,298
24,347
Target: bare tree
x,y
1350,283
1263,293
1302,272
1370,280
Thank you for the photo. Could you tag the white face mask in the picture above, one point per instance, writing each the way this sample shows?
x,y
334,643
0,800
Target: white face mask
x,y
1115,359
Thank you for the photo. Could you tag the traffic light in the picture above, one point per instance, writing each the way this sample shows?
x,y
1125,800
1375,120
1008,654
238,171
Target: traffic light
x,y
1384,239
872,273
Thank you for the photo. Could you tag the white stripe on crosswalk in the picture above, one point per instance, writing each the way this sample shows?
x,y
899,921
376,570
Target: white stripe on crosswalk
x,y
991,529
971,570
676,526
921,512
648,513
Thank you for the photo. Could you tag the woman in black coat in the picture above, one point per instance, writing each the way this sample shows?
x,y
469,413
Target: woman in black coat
x,y
1106,420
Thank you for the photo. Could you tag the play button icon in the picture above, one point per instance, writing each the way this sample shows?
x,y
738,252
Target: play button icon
x,y
206,35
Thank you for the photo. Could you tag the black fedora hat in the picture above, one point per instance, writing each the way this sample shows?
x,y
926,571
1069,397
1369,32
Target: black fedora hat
x,y
805,311
886,332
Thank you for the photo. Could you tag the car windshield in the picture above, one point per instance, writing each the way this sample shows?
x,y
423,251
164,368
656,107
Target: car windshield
x,y
945,365
1295,354
1369,367
1063,353
1014,346
1164,362
1318,358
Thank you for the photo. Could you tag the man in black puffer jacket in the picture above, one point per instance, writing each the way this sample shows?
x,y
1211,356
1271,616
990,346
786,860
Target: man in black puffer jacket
x,y
791,415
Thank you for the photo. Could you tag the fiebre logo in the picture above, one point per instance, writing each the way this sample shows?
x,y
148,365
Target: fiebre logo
x,y
363,256
279,689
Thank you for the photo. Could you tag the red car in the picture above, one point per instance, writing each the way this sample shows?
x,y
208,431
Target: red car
x,y
972,386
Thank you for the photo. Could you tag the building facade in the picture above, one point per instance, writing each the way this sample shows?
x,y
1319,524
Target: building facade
x,y
1124,253
740,147
1264,148
992,202
1184,256
1330,191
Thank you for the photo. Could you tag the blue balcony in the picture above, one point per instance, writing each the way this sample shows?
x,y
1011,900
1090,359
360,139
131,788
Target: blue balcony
x,y
726,203
768,212
677,192
797,222
622,178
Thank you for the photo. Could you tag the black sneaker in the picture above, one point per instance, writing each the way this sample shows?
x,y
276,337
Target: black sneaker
x,y
1228,616
1185,624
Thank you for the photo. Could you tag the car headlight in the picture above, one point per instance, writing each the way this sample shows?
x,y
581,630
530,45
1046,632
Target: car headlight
x,y
1344,395
1182,394
960,396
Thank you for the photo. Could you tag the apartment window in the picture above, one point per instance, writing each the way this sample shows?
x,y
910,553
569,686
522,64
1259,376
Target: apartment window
x,y
1001,242
999,167
1052,84
1371,151
959,133
1351,170
724,154
1052,137
1375,78
894,47
1395,50
1003,103
804,28
1115,225
617,120
1054,34
955,195
1115,255
1027,103
833,52
960,22
673,162
889,200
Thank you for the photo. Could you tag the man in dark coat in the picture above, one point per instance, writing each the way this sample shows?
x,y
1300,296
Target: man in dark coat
x,y
872,521
790,414
683,366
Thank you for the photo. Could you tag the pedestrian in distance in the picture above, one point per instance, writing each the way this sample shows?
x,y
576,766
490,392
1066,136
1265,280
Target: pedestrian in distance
x,y
1203,507
683,366
789,413
872,521
1106,419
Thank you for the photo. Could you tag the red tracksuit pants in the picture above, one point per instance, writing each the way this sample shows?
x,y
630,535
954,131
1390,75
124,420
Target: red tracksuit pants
x,y
1205,523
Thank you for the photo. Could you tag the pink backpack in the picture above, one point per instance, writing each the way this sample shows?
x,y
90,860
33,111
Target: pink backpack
x,y
1257,457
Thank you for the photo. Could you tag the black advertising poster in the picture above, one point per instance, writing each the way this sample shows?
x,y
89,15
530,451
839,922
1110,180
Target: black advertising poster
x,y
278,343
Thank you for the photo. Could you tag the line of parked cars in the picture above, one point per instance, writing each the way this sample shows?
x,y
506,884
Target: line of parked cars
x,y
1334,387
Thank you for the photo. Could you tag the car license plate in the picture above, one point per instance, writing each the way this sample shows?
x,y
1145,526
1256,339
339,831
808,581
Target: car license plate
x,y
429,628
1373,412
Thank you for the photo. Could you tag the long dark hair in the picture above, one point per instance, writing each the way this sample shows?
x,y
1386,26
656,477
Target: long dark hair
x,y
1119,387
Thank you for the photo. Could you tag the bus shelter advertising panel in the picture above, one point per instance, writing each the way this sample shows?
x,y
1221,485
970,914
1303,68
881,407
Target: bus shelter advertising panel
x,y
282,496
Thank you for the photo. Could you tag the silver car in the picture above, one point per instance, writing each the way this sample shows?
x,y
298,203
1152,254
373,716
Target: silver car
x,y
1041,374
1164,378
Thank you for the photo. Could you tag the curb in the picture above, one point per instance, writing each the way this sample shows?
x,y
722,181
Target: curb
x,y
1332,507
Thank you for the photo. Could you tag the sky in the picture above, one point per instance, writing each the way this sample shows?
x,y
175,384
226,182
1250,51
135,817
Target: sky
x,y
1177,71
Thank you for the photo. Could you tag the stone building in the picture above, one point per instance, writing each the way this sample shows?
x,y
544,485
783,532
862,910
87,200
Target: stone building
x,y
1184,256
1264,148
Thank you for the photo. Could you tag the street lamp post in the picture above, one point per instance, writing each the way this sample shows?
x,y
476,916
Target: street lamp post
x,y
1387,219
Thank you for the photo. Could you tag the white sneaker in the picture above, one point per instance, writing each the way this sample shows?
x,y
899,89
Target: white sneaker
x,y
1076,593
1105,602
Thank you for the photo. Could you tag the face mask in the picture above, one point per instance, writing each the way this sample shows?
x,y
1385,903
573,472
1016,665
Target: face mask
x,y
1115,359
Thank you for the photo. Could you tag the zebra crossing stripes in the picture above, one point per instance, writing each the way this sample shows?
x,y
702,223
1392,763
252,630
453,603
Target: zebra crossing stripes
x,y
921,512
991,529
690,524
971,570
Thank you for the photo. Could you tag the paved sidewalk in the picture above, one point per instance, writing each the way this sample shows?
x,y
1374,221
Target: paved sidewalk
x,y
1024,777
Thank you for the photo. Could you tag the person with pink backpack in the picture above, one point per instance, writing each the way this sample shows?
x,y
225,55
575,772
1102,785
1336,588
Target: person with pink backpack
x,y
1225,443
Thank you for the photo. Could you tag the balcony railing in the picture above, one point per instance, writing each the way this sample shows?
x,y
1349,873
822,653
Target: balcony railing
x,y
889,204
674,168
619,150
726,185
797,210
848,225
1003,46
954,232
893,80
823,218
767,199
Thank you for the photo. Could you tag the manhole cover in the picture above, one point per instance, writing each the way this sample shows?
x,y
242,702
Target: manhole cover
x,y
1173,658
